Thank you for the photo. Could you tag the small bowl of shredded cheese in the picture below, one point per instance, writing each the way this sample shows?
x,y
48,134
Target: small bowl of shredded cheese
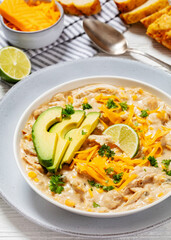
x,y
31,24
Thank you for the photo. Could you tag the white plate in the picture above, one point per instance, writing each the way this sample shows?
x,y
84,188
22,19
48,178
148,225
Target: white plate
x,y
20,195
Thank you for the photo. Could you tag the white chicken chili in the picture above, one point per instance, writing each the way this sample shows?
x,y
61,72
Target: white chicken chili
x,y
109,148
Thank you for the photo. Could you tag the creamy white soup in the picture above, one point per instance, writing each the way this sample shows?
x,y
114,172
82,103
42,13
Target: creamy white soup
x,y
101,177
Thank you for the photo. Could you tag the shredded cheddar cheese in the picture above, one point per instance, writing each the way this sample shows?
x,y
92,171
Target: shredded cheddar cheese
x,y
31,16
168,147
104,124
90,163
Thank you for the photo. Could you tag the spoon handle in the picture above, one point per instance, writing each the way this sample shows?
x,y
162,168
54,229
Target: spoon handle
x,y
165,65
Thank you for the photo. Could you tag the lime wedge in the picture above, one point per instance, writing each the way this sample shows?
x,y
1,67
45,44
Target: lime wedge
x,y
14,64
125,138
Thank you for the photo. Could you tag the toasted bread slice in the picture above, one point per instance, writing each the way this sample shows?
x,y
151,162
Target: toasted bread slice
x,y
160,30
128,5
144,10
80,7
167,41
69,7
87,7
150,19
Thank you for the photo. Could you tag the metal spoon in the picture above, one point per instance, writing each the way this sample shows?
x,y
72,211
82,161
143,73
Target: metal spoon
x,y
110,41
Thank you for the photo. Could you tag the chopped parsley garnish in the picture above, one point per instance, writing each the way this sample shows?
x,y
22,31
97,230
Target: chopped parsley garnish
x,y
95,205
145,170
94,184
70,139
144,113
109,170
98,185
86,106
108,188
69,110
168,172
105,150
117,177
166,163
124,106
83,132
56,183
111,104
153,161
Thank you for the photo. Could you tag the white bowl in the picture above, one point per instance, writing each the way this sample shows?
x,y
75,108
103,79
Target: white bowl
x,y
117,81
37,39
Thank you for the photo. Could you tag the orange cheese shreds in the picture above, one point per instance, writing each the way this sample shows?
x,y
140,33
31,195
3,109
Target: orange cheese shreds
x,y
71,165
104,124
29,17
103,99
90,163
131,114
144,162
161,115
130,179
10,25
112,116
96,167
168,147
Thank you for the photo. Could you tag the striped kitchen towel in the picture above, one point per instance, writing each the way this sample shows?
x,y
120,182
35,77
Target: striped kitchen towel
x,y
73,43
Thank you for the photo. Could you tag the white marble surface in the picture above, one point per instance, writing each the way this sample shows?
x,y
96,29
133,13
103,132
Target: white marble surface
x,y
13,226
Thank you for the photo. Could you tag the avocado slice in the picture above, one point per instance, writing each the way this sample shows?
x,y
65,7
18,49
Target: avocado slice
x,y
80,135
61,129
44,141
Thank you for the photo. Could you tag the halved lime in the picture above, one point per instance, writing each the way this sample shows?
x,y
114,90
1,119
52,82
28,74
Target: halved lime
x,y
125,138
14,64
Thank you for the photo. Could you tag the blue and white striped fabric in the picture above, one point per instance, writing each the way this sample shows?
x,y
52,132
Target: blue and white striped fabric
x,y
73,43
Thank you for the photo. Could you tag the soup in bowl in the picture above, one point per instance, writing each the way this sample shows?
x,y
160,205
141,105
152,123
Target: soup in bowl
x,y
98,147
